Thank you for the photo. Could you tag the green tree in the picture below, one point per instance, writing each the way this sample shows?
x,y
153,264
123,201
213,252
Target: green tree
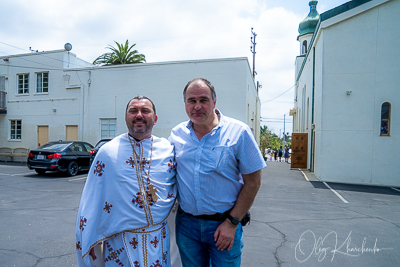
x,y
264,138
123,54
268,139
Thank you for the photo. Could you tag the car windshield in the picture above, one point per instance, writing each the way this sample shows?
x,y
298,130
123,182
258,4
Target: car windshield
x,y
55,146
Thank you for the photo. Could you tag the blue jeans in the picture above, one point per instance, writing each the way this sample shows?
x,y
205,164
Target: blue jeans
x,y
195,240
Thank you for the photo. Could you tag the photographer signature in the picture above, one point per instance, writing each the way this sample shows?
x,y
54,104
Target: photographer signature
x,y
309,245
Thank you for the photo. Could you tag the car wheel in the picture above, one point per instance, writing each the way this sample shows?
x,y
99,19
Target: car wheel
x,y
72,168
40,171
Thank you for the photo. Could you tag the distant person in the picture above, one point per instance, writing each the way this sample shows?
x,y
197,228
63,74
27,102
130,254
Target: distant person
x,y
280,152
218,175
286,154
128,195
275,153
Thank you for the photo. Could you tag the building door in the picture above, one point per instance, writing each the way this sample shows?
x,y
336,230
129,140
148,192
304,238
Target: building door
x,y
299,150
43,135
72,132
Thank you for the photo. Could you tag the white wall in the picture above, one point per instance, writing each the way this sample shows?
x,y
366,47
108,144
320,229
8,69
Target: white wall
x,y
164,84
359,54
355,51
37,108
82,96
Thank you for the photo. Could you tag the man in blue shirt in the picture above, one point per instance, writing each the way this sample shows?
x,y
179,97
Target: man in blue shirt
x,y
218,174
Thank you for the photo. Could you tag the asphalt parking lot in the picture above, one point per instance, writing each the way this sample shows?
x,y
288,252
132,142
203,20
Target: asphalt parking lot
x,y
295,222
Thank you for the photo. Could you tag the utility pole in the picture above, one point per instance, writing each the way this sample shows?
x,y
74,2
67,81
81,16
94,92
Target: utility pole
x,y
253,50
284,129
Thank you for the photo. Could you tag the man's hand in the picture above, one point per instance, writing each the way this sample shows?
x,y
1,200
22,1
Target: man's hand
x,y
225,235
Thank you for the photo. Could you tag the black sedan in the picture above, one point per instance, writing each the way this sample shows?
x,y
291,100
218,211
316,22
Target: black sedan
x,y
96,148
64,156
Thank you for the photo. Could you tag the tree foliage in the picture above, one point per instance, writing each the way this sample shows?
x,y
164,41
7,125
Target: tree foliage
x,y
122,54
269,140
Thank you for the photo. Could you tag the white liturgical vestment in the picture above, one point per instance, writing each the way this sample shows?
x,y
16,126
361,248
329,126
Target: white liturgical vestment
x,y
128,196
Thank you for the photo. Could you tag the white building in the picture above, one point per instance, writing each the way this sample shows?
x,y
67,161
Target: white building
x,y
347,96
54,95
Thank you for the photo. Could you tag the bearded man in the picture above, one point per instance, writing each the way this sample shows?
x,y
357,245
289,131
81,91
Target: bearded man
x,y
128,196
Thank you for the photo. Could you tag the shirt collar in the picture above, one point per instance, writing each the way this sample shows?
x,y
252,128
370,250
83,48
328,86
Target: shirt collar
x,y
138,141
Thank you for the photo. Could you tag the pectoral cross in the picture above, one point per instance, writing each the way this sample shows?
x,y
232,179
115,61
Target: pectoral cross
x,y
152,192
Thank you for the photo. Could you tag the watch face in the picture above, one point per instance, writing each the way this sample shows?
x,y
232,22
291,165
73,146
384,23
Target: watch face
x,y
234,220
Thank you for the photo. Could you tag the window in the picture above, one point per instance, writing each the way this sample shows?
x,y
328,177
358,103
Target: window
x,y
42,82
16,129
3,106
304,48
88,148
77,147
23,83
385,119
108,127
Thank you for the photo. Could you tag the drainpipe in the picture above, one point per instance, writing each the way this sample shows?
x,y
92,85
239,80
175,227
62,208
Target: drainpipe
x,y
312,112
81,119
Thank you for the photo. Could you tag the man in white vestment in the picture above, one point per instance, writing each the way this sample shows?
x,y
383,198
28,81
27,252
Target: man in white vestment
x,y
128,196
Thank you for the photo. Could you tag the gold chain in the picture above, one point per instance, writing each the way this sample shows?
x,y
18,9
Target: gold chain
x,y
142,164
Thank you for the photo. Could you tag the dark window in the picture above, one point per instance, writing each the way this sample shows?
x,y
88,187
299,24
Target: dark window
x,y
304,48
385,119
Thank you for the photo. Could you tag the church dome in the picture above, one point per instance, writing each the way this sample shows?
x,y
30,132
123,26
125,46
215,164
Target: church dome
x,y
309,24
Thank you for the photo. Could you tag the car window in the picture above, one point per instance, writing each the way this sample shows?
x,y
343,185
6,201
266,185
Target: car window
x,y
101,143
55,146
88,147
77,147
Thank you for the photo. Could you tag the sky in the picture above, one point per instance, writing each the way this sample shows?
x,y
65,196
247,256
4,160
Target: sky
x,y
172,30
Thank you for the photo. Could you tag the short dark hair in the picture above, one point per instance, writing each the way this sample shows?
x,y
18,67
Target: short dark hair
x,y
141,97
207,82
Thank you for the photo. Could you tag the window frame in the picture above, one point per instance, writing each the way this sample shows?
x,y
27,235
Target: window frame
x,y
14,130
42,87
385,120
108,127
25,89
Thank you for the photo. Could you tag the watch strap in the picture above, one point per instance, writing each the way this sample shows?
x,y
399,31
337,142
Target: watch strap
x,y
234,221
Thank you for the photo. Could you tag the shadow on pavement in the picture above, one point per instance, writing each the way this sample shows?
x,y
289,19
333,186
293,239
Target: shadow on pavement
x,y
357,188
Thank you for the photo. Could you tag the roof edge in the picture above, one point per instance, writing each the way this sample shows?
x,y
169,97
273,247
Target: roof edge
x,y
341,9
146,64
38,53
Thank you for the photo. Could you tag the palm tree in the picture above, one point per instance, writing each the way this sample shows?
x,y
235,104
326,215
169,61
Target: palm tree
x,y
120,55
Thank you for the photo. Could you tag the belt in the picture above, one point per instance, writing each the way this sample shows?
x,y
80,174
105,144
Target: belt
x,y
210,217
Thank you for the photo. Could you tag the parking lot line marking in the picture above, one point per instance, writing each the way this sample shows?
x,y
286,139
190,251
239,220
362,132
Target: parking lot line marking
x,y
336,193
16,174
305,176
84,177
395,189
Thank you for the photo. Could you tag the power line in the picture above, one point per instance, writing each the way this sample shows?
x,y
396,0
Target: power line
x,y
16,66
278,95
276,121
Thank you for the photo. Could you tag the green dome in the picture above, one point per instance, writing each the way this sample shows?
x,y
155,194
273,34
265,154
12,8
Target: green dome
x,y
309,24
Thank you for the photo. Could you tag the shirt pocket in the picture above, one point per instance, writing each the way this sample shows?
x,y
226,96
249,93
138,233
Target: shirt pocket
x,y
217,159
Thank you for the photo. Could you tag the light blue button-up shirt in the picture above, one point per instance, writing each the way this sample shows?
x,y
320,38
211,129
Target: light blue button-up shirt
x,y
209,171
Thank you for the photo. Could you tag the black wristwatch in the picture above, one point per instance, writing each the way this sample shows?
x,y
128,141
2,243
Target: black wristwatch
x,y
234,221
